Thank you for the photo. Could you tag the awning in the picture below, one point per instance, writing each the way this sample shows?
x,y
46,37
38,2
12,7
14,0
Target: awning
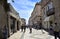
x,y
47,18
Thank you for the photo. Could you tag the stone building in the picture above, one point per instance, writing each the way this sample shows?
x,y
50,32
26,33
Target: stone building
x,y
36,16
9,18
50,12
23,21
56,4
3,16
30,22
13,20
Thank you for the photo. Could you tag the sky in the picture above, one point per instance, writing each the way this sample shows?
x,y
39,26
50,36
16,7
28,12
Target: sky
x,y
24,7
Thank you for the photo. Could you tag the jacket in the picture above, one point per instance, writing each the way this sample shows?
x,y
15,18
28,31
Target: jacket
x,y
56,28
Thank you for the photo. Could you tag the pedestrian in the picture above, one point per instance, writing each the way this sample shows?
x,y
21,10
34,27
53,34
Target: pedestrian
x,y
40,26
4,32
21,28
56,31
24,28
30,27
51,29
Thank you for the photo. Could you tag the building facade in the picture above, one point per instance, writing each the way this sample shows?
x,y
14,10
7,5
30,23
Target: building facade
x,y
47,12
13,20
57,11
3,16
50,11
9,18
23,22
35,18
30,22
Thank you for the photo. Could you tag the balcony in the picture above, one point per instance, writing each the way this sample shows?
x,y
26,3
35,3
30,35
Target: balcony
x,y
50,12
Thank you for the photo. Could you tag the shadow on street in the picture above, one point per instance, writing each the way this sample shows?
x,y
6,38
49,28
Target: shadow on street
x,y
22,36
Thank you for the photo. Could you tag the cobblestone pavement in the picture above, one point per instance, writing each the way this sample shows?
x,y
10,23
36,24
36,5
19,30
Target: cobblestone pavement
x,y
36,34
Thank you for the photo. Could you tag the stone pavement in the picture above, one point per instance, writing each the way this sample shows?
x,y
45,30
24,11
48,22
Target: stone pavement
x,y
36,34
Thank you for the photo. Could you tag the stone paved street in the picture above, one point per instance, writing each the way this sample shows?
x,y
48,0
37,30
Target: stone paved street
x,y
36,34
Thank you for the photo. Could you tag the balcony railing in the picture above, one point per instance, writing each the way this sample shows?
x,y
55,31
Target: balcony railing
x,y
50,12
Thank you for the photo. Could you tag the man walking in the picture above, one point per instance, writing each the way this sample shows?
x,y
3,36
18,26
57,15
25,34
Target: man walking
x,y
30,27
21,28
56,31
51,29
24,28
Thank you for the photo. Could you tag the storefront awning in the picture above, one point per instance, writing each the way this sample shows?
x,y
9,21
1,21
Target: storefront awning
x,y
47,18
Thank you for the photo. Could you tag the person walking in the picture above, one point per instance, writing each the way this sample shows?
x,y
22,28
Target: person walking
x,y
30,27
21,28
56,31
51,29
24,28
4,32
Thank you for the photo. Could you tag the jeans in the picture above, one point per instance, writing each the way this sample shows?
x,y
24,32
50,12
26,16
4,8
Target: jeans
x,y
56,34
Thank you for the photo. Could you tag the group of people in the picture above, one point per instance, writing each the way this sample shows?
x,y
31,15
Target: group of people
x,y
23,28
5,31
55,29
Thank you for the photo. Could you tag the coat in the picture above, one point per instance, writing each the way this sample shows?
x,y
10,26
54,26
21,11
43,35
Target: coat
x,y
56,28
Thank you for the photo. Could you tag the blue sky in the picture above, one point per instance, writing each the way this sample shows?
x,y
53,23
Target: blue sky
x,y
24,7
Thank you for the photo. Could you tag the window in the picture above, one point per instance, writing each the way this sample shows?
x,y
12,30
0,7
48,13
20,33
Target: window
x,y
44,11
47,8
50,5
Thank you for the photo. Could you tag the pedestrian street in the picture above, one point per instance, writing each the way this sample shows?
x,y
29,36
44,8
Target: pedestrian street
x,y
36,34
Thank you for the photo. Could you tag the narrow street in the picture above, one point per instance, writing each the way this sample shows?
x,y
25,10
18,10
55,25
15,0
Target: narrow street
x,y
40,16
36,34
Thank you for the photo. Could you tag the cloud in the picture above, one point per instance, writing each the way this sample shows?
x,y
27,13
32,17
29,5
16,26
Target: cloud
x,y
24,7
33,0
